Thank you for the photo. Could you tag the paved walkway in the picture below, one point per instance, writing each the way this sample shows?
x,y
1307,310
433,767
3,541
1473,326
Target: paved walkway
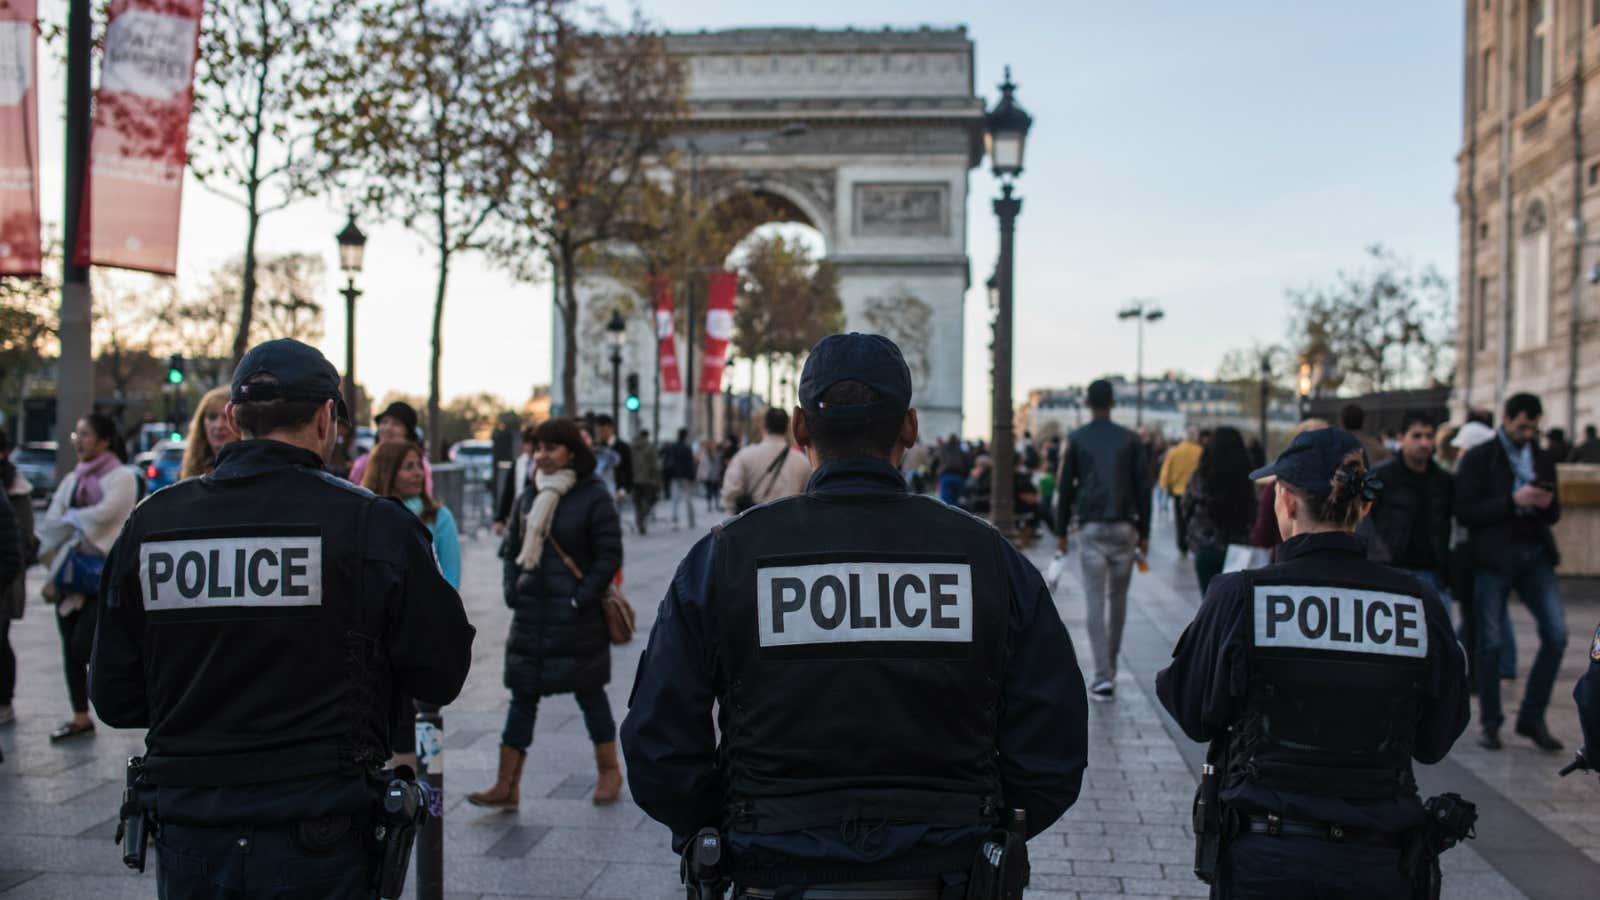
x,y
1128,834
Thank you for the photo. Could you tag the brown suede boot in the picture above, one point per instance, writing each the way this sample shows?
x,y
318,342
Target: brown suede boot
x,y
608,786
507,789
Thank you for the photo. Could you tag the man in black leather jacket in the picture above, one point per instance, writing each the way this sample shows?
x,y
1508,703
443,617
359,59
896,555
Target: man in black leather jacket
x,y
1409,527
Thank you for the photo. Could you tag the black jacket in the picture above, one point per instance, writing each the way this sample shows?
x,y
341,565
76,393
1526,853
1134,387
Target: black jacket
x,y
681,776
264,678
10,550
1394,519
1105,477
1206,686
559,642
1484,484
624,471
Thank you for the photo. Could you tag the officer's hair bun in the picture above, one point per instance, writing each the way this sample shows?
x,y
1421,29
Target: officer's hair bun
x,y
1346,492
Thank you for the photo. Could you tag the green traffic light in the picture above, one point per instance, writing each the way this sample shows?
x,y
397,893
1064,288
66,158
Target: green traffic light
x,y
174,376
633,404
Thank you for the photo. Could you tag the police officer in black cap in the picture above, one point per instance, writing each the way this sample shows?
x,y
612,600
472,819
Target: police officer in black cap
x,y
1317,681
257,621
892,675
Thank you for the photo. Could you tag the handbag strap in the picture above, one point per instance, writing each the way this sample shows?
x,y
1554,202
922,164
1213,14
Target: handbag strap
x,y
571,566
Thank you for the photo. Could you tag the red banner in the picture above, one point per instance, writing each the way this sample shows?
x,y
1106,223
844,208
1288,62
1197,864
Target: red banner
x,y
19,140
719,330
671,373
141,127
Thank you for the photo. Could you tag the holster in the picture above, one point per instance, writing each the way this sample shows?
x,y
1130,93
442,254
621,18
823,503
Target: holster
x,y
701,869
1449,821
1210,832
402,808
1001,870
134,822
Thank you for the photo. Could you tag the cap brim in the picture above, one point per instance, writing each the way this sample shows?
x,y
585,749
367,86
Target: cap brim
x,y
1267,471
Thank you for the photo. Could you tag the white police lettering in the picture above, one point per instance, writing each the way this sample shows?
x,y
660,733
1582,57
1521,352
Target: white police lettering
x,y
1322,617
231,571
856,602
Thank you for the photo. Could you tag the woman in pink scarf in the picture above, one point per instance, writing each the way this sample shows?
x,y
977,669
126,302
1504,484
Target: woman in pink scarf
x,y
88,510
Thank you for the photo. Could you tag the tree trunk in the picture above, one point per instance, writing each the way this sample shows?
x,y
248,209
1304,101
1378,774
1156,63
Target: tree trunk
x,y
252,188
569,333
435,429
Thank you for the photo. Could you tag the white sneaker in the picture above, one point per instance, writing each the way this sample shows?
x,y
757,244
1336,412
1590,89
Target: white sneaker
x,y
1103,691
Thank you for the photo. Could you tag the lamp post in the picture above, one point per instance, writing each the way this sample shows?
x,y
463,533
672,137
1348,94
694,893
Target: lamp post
x,y
1266,395
616,334
1007,126
352,249
691,379
1143,311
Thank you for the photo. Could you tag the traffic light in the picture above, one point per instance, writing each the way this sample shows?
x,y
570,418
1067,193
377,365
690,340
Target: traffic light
x,y
633,392
175,369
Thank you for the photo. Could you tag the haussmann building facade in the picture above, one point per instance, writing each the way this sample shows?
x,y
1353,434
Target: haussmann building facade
x,y
1528,193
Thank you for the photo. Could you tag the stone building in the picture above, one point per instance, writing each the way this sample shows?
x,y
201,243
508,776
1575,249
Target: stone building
x,y
1528,192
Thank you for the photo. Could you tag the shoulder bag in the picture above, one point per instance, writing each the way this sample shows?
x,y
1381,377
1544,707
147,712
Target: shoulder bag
x,y
747,499
614,604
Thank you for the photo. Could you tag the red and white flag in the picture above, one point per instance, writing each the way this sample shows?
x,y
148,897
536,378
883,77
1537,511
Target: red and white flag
x,y
19,140
671,373
719,330
141,128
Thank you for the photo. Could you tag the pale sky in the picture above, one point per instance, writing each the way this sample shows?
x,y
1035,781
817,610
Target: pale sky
x,y
1206,155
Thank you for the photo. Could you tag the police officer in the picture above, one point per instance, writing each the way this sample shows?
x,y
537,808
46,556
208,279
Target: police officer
x,y
892,675
257,621
1587,693
1317,681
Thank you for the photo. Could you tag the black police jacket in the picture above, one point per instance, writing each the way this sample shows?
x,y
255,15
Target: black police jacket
x,y
1322,676
257,621
890,674
1587,694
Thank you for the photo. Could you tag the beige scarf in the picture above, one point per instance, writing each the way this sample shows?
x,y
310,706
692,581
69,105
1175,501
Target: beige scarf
x,y
536,527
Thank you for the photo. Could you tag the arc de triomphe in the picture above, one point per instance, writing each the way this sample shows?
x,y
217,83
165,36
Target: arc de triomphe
x,y
892,126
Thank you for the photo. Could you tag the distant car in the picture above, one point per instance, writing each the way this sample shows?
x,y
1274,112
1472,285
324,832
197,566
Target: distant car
x,y
37,463
162,465
477,457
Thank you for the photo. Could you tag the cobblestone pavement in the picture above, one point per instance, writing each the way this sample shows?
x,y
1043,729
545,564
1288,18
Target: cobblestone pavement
x,y
1128,834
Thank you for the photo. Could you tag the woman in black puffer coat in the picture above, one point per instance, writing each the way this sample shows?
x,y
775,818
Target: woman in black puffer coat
x,y
559,643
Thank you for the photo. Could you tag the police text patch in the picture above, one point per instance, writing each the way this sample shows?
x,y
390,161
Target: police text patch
x,y
1349,620
265,571
861,602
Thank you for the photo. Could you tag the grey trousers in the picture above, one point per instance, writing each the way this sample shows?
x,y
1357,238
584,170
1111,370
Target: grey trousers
x,y
1106,553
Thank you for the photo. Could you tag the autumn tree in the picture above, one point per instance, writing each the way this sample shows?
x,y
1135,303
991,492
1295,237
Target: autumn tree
x,y
788,301
608,99
1388,325
124,331
262,67
426,119
27,327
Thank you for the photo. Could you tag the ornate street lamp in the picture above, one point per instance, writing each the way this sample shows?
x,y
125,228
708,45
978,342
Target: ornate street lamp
x,y
352,249
616,335
1007,126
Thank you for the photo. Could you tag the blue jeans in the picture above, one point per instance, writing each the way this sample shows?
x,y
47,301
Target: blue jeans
x,y
525,709
1534,579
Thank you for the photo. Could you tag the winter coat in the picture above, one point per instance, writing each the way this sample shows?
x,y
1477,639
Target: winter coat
x,y
558,642
13,596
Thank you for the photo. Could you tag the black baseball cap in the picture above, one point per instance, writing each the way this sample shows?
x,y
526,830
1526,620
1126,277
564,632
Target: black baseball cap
x,y
1311,461
286,369
872,360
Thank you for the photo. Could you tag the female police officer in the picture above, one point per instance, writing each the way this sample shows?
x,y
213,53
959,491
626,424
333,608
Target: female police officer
x,y
1317,680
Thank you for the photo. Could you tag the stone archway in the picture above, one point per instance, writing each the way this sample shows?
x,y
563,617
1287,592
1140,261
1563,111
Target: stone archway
x,y
892,126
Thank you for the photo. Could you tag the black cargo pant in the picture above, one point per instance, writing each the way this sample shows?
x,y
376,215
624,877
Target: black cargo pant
x,y
243,862
1268,867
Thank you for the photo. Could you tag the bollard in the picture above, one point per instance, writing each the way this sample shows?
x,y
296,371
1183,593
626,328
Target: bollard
x,y
430,769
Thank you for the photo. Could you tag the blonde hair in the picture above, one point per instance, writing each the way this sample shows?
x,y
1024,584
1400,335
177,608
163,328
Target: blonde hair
x,y
199,453
383,467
